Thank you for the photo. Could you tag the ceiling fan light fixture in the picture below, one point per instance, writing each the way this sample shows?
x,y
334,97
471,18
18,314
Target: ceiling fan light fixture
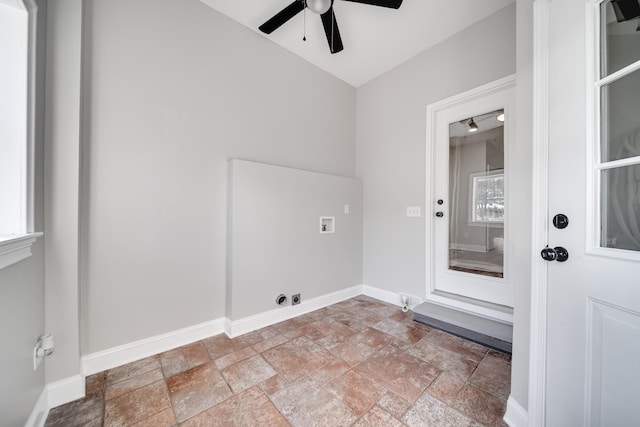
x,y
473,127
319,6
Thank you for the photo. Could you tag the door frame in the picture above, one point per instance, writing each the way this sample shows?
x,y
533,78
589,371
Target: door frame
x,y
540,215
508,82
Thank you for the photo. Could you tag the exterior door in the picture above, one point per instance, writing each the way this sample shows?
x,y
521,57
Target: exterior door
x,y
470,135
593,298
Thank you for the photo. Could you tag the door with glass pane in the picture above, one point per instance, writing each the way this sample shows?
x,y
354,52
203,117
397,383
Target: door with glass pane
x,y
593,305
471,136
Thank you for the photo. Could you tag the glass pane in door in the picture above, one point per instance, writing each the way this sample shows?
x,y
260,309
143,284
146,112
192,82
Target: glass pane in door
x,y
620,34
476,194
620,206
620,121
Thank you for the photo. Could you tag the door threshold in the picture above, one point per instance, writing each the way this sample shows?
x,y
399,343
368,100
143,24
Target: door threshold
x,y
490,333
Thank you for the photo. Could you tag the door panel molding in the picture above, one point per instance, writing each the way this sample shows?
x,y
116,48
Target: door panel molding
x,y
612,329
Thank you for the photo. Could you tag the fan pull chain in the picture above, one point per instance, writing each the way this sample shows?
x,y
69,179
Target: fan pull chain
x,y
304,20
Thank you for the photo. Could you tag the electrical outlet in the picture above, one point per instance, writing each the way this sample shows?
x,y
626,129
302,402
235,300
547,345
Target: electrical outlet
x,y
295,299
404,299
408,301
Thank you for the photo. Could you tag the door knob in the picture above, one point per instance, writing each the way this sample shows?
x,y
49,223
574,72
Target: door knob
x,y
563,254
558,253
439,214
560,221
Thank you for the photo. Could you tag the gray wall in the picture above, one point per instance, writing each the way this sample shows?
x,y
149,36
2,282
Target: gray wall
x,y
391,135
22,292
391,126
276,245
174,90
21,323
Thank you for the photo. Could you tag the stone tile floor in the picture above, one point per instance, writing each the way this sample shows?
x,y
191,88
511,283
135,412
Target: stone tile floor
x,y
360,362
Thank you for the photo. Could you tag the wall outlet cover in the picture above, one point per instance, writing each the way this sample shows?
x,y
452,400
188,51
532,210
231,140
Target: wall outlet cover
x,y
295,299
414,211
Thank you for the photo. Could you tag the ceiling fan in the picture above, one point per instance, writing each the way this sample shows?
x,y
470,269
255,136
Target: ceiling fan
x,y
324,8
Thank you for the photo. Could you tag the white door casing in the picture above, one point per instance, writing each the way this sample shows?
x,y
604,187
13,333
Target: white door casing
x,y
440,279
585,324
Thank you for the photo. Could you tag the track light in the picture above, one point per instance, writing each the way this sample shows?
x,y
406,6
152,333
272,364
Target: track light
x,y
473,127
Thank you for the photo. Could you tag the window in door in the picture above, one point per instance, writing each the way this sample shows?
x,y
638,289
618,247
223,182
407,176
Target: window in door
x,y
476,194
617,94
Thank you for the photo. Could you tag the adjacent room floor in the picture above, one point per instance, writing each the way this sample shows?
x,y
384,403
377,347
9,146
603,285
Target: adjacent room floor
x,y
360,362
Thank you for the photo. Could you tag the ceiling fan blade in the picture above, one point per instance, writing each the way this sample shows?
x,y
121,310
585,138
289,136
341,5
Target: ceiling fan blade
x,y
331,30
394,4
281,17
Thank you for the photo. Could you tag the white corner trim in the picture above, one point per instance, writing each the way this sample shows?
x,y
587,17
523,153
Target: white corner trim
x,y
16,248
516,415
65,391
127,353
40,411
242,326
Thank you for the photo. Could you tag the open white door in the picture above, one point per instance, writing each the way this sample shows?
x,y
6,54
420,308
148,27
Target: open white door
x,y
593,298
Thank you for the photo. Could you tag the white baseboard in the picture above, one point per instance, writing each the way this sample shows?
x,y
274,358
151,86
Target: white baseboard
x,y
72,388
40,411
516,415
65,391
121,355
261,320
388,296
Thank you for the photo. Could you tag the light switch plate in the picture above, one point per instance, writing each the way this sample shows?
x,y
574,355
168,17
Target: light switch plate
x,y
413,211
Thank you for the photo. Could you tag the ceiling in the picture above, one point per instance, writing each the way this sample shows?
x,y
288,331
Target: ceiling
x,y
376,39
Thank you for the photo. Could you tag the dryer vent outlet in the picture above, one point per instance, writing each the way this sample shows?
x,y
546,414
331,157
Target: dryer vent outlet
x,y
295,299
281,299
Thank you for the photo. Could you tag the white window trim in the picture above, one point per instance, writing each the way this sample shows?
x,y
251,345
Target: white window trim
x,y
16,247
